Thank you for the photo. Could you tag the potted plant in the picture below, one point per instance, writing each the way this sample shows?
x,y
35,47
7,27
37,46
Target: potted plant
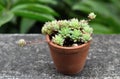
x,y
69,42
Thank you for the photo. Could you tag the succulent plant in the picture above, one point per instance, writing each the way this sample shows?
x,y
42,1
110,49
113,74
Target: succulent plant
x,y
54,25
65,31
63,23
73,31
88,29
58,39
83,23
47,29
74,23
86,37
50,27
76,35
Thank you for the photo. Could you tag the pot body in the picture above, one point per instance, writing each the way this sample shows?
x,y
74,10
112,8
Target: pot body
x,y
68,60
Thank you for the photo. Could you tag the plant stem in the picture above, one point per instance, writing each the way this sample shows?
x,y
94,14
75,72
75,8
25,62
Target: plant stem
x,y
35,42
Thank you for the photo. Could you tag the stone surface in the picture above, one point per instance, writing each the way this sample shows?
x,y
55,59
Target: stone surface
x,y
34,61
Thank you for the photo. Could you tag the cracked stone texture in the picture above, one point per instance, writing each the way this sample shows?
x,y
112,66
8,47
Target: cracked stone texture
x,y
34,61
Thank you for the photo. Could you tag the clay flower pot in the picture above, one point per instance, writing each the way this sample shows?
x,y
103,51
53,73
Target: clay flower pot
x,y
68,60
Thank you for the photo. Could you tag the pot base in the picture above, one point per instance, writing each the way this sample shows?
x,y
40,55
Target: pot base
x,y
69,73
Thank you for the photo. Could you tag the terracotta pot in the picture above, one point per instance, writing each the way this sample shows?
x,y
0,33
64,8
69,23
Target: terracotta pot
x,y
68,60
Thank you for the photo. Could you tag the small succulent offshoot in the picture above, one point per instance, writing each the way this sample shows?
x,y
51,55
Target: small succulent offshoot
x,y
91,15
73,31
21,42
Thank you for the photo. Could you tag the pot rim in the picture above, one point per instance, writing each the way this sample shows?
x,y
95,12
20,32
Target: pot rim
x,y
57,46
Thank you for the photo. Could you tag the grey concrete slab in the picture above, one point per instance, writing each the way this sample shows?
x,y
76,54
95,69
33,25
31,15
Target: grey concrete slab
x,y
34,61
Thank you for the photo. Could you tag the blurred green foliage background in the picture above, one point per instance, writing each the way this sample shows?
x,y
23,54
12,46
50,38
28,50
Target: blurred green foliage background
x,y
28,16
